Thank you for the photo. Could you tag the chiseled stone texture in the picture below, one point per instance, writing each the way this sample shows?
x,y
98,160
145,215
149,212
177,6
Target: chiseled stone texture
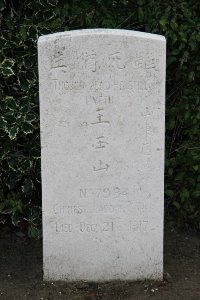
x,y
102,109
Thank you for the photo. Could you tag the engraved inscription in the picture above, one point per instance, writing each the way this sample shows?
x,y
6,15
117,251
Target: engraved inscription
x,y
67,209
100,117
64,85
90,61
108,226
100,142
115,61
99,99
138,226
58,58
104,192
85,61
83,193
63,227
90,227
101,166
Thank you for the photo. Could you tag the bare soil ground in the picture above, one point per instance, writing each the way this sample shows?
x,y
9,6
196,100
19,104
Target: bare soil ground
x,y
21,273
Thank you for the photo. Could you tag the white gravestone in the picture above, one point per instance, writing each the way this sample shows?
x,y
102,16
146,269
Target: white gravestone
x,y
102,108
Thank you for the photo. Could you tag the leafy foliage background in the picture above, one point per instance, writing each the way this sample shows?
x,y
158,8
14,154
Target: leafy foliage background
x,y
22,22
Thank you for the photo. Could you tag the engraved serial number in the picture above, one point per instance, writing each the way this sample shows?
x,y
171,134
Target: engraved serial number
x,y
104,192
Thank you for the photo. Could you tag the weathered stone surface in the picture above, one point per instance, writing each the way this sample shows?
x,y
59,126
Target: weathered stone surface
x,y
102,107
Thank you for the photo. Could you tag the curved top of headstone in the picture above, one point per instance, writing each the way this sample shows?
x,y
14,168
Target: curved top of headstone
x,y
102,31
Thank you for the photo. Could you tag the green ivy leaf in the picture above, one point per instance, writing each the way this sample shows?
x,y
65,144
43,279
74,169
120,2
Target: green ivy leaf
x,y
13,132
33,232
2,219
30,118
15,218
184,194
6,67
27,187
27,128
196,168
177,205
52,2
2,4
163,21
169,192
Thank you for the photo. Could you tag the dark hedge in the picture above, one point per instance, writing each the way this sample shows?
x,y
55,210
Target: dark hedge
x,y
22,22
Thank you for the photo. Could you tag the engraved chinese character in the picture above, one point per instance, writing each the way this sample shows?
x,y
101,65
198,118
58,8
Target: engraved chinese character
x,y
150,63
100,117
148,129
139,62
101,166
149,162
115,61
100,143
83,124
147,112
58,58
146,148
90,62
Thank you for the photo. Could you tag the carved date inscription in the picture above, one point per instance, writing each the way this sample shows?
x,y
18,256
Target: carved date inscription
x,y
103,227
95,227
